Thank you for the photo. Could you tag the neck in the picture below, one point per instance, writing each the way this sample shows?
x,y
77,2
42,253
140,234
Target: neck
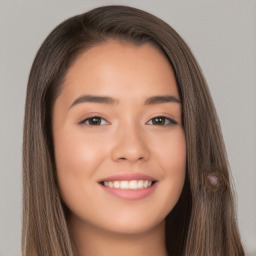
x,y
92,241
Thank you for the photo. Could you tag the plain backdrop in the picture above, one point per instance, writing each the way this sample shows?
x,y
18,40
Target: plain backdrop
x,y
222,36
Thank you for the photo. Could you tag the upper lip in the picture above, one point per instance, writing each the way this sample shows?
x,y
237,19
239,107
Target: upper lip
x,y
128,177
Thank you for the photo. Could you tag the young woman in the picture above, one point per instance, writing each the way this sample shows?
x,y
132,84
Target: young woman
x,y
123,153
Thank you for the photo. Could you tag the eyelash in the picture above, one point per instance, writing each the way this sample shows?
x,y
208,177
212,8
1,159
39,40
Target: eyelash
x,y
170,121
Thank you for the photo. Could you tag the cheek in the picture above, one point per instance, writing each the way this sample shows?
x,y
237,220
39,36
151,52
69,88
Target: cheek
x,y
171,152
76,158
172,159
73,154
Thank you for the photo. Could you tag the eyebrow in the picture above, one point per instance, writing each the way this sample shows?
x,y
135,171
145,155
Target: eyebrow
x,y
111,101
161,99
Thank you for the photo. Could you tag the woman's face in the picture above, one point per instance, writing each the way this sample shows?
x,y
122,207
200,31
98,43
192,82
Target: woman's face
x,y
117,129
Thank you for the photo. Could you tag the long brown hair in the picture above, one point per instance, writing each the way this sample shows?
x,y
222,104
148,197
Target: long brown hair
x,y
203,222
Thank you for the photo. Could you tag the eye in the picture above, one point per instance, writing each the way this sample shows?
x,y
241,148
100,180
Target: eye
x,y
94,120
161,120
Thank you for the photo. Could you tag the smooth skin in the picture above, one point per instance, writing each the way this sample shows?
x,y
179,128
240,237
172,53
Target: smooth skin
x,y
126,136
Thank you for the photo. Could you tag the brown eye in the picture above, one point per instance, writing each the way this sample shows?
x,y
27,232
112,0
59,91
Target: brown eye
x,y
161,120
94,121
158,120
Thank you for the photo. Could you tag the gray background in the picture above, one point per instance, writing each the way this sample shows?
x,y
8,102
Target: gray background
x,y
221,34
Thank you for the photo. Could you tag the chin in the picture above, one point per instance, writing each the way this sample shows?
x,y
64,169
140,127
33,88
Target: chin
x,y
134,228
128,224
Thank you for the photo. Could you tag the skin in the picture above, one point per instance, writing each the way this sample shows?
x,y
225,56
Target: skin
x,y
127,140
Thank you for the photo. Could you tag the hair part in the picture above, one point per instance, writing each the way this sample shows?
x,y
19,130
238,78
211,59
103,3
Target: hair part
x,y
203,221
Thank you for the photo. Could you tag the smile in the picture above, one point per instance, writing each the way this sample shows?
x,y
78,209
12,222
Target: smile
x,y
128,185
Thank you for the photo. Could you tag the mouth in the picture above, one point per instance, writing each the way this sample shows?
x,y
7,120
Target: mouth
x,y
128,184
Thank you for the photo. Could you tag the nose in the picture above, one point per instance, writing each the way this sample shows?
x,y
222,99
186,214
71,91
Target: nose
x,y
130,145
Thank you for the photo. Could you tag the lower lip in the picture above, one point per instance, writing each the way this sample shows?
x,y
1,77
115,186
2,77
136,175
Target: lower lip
x,y
130,194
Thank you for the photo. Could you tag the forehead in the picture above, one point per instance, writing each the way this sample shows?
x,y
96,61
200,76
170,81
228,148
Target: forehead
x,y
120,69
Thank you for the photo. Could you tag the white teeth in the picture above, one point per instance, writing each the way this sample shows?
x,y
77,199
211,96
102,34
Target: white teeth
x,y
133,184
140,184
145,184
116,184
123,184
